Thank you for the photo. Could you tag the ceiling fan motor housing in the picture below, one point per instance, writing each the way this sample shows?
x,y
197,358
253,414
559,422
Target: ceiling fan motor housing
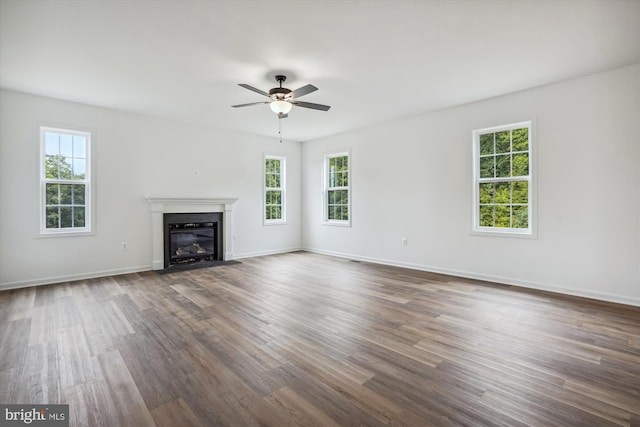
x,y
279,93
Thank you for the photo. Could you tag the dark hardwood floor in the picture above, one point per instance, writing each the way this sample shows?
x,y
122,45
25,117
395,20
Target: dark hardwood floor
x,y
307,340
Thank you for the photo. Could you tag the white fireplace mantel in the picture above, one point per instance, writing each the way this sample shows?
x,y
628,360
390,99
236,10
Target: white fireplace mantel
x,y
161,205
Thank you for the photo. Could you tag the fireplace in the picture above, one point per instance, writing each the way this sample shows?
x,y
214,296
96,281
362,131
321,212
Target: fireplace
x,y
161,205
191,238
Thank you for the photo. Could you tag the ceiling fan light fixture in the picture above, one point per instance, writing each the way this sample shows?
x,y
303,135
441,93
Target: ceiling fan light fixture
x,y
280,107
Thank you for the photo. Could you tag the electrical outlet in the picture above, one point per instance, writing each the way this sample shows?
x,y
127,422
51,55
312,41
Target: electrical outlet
x,y
125,245
404,241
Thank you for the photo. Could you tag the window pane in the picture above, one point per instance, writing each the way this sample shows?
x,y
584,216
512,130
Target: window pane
x,y
277,212
64,167
332,165
487,191
66,146
276,197
79,147
66,217
503,216
520,217
520,139
332,212
270,181
344,214
51,167
79,171
345,197
520,192
78,217
502,194
51,144
65,194
52,217
521,164
503,165
486,144
503,142
486,216
78,194
51,194
345,178
487,167
332,197
332,179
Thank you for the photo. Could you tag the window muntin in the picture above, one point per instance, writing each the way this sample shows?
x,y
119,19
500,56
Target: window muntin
x,y
274,189
65,181
502,179
337,189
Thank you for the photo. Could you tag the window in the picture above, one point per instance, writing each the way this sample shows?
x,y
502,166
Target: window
x,y
274,185
337,189
502,179
65,181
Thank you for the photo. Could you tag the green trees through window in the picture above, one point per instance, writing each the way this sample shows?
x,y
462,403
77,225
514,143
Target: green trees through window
x,y
337,192
274,169
65,179
502,178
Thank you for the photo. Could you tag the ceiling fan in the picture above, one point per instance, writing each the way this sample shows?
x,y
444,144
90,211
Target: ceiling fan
x,y
283,99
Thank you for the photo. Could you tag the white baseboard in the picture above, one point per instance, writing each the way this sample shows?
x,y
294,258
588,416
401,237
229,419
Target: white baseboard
x,y
496,279
263,253
72,277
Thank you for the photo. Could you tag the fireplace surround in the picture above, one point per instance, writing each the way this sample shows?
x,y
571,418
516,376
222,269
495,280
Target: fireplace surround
x,y
189,205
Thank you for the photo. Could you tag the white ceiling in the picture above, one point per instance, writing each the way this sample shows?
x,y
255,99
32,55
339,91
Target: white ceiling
x,y
373,61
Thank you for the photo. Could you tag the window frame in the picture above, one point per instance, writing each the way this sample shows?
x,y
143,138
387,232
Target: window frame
x,y
477,229
282,189
327,188
89,228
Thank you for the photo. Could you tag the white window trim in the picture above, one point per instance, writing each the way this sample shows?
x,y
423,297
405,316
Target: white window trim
x,y
89,228
325,192
529,233
283,189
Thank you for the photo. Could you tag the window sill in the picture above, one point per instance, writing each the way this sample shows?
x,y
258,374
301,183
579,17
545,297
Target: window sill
x,y
269,223
337,223
50,234
499,233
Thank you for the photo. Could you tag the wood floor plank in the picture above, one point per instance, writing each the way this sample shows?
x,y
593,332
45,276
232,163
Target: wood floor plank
x,y
175,413
302,339
301,412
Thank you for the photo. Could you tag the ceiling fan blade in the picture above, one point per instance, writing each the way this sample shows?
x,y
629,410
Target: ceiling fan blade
x,y
304,90
246,86
311,105
251,103
283,115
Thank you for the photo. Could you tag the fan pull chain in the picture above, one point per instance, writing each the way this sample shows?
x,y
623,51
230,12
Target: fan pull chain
x,y
280,129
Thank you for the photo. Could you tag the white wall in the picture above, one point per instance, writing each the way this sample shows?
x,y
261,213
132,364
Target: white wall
x,y
136,156
412,178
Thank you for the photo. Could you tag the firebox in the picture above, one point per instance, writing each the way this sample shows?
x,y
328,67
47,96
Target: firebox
x,y
192,238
